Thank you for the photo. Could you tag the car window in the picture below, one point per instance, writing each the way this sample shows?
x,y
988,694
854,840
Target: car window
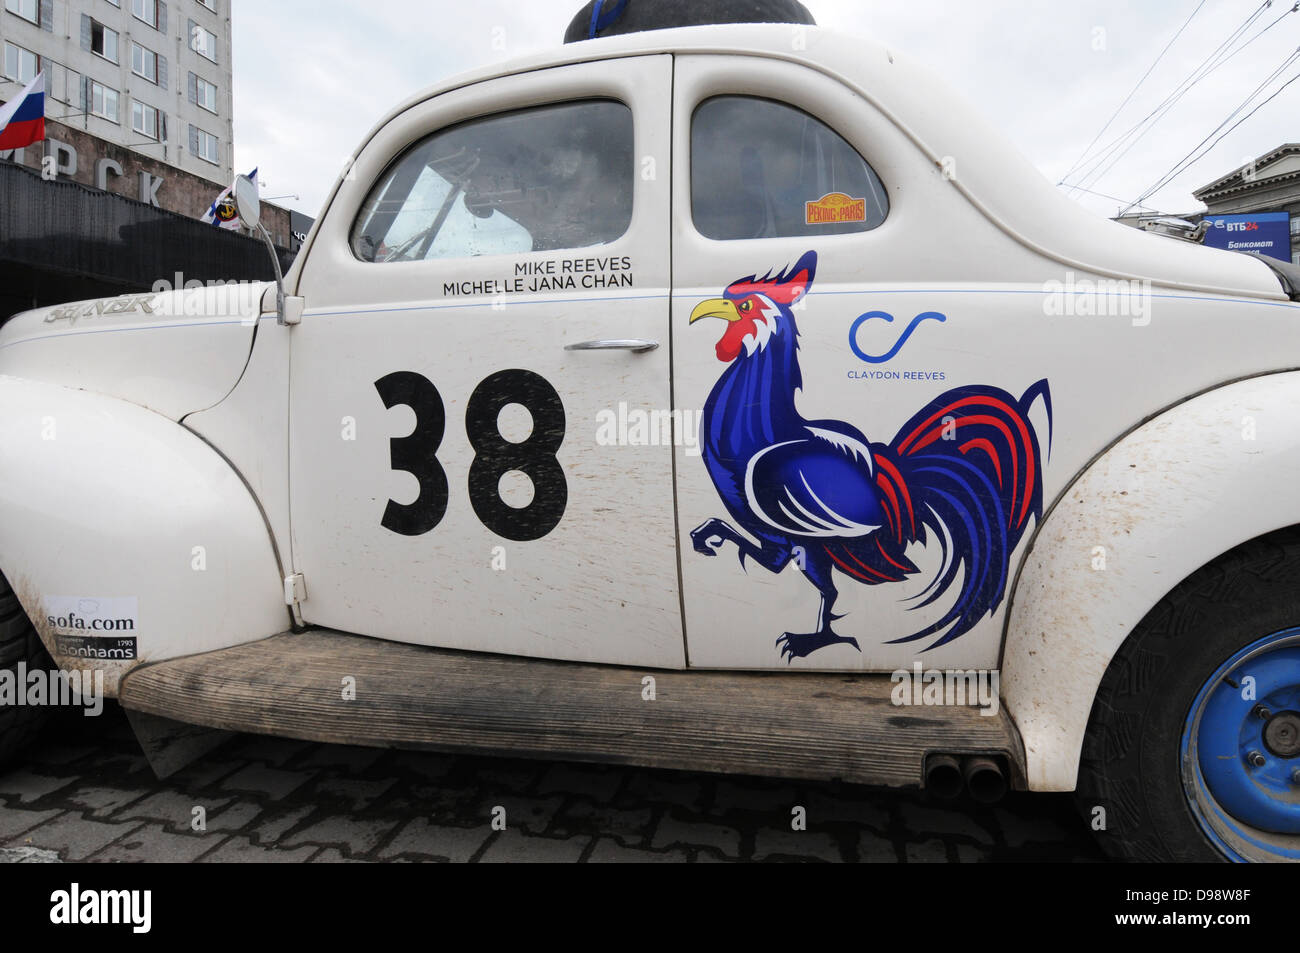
x,y
550,177
763,169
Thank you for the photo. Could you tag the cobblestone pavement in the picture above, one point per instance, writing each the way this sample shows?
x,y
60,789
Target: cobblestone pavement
x,y
86,793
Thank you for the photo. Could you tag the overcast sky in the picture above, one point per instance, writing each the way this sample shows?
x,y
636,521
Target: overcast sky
x,y
312,76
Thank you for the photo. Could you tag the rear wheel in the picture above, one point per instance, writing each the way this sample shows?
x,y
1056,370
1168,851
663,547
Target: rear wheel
x,y
1193,746
19,645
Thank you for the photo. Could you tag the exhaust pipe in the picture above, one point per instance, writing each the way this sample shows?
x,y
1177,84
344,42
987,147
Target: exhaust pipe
x,y
984,779
943,777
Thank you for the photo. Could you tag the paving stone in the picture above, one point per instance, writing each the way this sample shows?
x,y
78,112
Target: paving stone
x,y
517,777
829,808
873,849
73,837
60,755
272,751
341,757
270,782
28,786
610,851
152,844
1019,830
358,835
514,847
672,833
239,850
274,826
331,856
533,815
583,817
816,845
359,794
666,788
426,765
930,820
28,855
203,773
101,802
774,802
175,809
927,852
597,783
419,836
15,821
234,818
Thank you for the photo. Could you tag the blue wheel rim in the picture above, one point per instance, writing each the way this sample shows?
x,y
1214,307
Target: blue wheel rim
x,y
1240,752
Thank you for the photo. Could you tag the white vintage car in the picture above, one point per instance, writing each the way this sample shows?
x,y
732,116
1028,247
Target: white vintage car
x,y
727,398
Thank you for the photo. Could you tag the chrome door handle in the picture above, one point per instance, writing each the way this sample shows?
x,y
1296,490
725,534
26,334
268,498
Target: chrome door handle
x,y
639,347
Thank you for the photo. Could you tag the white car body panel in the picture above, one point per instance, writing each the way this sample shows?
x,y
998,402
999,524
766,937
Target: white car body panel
x,y
1198,480
602,586
173,352
104,501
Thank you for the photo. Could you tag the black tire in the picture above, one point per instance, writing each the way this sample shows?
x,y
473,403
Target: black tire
x,y
1130,764
19,643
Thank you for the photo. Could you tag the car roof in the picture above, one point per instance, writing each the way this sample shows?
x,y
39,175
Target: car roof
x,y
1007,188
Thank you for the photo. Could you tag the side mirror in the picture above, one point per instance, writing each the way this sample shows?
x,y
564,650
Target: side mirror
x,y
248,201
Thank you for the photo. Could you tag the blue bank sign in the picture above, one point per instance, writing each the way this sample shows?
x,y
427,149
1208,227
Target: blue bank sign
x,y
1268,233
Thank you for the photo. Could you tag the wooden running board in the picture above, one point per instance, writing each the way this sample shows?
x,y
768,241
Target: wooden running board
x,y
784,725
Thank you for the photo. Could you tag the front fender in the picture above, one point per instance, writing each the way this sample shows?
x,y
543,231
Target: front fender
x,y
1171,497
111,513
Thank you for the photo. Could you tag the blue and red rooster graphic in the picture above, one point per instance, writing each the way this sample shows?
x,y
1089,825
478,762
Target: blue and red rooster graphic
x,y
965,470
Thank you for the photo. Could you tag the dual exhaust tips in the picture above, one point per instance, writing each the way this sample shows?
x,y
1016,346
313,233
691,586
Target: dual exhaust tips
x,y
982,777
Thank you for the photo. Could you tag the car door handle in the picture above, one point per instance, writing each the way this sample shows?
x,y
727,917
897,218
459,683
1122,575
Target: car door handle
x,y
640,347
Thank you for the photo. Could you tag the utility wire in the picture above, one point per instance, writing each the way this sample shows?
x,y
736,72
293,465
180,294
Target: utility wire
x,y
1194,156
1213,67
1212,62
1083,155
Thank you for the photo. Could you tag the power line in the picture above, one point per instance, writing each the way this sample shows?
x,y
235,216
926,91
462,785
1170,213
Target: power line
x,y
1129,97
1217,58
1194,156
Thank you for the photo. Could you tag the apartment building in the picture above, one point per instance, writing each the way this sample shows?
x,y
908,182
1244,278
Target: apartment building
x,y
153,76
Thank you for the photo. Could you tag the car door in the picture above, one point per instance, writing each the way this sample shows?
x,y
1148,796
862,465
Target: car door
x,y
869,447
485,302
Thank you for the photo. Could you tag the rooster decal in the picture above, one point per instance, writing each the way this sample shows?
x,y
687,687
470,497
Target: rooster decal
x,y
965,470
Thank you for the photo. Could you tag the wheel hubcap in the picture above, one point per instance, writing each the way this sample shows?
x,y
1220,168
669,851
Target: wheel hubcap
x,y
1241,752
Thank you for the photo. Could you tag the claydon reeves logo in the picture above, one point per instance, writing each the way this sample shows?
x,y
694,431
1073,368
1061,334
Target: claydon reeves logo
x,y
75,906
836,208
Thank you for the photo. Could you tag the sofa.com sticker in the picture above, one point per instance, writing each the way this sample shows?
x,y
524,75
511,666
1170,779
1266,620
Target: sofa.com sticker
x,y
94,628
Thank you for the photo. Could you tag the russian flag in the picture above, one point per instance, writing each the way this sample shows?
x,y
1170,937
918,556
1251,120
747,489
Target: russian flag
x,y
22,120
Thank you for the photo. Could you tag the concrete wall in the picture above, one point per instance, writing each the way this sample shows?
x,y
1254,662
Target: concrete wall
x,y
180,191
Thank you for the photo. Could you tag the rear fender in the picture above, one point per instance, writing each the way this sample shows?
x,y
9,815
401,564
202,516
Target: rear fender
x,y
1171,497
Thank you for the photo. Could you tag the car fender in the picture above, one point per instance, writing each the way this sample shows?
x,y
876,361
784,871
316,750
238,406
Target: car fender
x,y
111,509
1172,496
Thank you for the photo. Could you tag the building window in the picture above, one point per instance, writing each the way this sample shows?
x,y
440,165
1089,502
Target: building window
x,y
205,94
144,62
144,120
103,41
1295,223
103,101
27,9
210,4
208,149
204,43
146,10
20,64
